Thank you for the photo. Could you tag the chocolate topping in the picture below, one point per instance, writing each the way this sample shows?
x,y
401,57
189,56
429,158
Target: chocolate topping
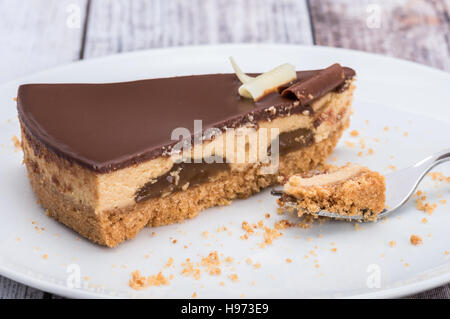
x,y
105,127
316,86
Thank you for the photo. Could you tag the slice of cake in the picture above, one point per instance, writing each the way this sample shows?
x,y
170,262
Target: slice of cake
x,y
349,190
106,160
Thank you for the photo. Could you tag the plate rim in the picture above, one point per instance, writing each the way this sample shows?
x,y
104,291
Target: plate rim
x,y
45,285
395,292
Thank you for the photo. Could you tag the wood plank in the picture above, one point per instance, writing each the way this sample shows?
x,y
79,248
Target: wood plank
x,y
416,30
39,34
122,25
436,293
13,290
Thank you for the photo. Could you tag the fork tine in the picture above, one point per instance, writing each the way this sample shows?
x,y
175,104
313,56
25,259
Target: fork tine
x,y
352,217
279,192
339,216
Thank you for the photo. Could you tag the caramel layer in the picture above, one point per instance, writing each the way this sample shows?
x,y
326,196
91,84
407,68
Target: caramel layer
x,y
184,175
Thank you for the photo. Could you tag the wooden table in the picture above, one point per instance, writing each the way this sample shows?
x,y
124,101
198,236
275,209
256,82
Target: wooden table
x,y
40,34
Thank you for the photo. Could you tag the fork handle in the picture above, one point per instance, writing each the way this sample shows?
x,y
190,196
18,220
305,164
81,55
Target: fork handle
x,y
443,156
435,159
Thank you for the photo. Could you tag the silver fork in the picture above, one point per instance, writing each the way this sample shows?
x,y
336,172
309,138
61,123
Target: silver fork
x,y
400,185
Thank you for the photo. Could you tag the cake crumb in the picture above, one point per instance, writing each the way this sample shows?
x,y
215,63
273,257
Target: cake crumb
x,y
354,133
422,205
17,144
157,280
349,144
438,176
45,256
424,220
334,250
416,240
270,234
212,262
288,260
194,295
247,228
169,262
189,269
137,281
362,143
283,224
220,229
392,243
234,277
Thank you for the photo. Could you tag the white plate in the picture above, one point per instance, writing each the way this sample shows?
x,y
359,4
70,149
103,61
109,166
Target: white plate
x,y
404,96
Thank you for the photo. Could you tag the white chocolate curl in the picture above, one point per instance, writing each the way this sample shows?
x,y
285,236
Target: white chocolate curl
x,y
256,87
